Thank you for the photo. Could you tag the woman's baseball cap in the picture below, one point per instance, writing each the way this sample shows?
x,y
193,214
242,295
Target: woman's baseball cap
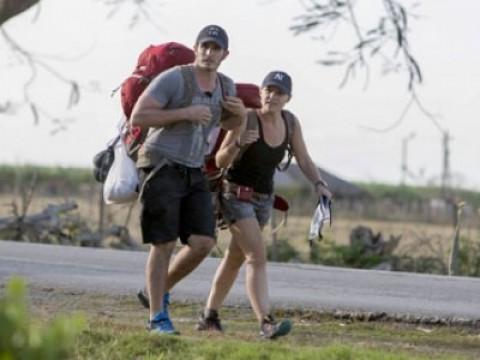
x,y
280,79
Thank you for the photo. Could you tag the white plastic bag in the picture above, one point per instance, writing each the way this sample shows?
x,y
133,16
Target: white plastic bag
x,y
321,215
122,180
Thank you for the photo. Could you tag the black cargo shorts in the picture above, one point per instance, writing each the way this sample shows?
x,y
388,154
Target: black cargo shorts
x,y
176,203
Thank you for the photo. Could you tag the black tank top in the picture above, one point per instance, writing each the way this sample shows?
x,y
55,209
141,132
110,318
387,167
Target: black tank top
x,y
257,165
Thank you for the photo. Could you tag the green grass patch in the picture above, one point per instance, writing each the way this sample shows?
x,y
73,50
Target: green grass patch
x,y
315,336
116,329
113,343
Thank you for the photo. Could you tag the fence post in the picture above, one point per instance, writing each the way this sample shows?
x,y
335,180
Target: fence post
x,y
453,261
101,215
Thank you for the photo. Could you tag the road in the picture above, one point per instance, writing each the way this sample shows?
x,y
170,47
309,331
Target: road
x,y
291,285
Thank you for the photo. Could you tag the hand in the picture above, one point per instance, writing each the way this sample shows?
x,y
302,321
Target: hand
x,y
234,106
248,137
199,114
321,189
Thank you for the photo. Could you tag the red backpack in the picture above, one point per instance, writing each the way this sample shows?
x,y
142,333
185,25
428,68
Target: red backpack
x,y
151,62
250,95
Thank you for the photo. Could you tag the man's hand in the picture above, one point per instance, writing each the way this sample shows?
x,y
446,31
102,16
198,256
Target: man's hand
x,y
200,114
234,106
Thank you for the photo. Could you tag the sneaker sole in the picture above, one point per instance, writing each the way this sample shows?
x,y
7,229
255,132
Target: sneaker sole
x,y
283,329
158,332
143,299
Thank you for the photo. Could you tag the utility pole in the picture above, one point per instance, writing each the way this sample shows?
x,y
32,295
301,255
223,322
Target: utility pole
x,y
404,165
446,176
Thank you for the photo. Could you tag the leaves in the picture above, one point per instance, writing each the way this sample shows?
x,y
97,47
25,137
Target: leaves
x,y
390,32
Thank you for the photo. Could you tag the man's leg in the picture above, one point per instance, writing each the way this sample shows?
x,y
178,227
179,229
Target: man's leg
x,y
184,262
188,258
197,229
156,271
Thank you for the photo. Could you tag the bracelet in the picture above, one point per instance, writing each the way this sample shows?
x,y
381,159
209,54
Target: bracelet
x,y
320,182
237,144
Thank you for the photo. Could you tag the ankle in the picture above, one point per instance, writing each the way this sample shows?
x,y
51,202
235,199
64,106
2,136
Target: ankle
x,y
210,314
268,319
159,316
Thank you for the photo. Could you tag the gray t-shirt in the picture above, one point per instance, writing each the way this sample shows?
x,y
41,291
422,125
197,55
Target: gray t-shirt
x,y
184,142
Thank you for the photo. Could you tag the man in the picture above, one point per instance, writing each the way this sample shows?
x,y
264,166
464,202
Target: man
x,y
175,198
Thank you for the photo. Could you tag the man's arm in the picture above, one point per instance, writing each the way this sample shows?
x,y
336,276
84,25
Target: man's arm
x,y
148,112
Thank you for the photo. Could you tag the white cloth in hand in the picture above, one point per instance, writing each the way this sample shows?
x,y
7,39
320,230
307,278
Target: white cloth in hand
x,y
321,215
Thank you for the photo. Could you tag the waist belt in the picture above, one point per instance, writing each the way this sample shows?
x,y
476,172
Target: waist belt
x,y
231,187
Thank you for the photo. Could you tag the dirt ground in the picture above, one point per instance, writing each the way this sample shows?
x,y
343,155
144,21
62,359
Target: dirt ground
x,y
310,329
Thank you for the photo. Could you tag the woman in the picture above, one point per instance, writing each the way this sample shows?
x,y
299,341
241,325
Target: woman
x,y
247,199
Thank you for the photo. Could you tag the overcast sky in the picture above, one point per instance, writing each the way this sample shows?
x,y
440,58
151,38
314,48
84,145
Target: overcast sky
x,y
100,52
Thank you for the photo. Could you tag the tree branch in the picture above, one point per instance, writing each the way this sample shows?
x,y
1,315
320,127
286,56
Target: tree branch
x,y
12,8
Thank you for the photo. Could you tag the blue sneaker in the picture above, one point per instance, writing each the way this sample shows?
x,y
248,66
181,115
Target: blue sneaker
x,y
166,303
145,301
162,324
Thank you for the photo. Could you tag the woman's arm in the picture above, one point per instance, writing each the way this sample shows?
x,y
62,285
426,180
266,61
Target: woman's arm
x,y
234,141
306,163
229,148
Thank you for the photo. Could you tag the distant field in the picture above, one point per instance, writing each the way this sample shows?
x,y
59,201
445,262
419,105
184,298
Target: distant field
x,y
414,234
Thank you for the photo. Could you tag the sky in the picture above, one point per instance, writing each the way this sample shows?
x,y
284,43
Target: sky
x,y
81,41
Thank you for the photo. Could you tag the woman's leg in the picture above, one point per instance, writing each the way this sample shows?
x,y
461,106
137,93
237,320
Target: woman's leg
x,y
225,275
248,236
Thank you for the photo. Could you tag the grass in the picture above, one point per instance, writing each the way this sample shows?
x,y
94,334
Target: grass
x,y
110,344
116,330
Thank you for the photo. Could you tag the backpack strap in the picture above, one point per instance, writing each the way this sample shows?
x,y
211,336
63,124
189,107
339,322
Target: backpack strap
x,y
188,84
252,124
290,123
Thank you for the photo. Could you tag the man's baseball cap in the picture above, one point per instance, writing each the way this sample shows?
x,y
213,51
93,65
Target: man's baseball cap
x,y
279,79
213,33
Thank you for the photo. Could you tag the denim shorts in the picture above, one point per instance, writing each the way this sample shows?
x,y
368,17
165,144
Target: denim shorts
x,y
176,203
259,207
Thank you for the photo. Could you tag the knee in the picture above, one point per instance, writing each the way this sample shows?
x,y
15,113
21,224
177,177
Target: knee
x,y
256,260
234,259
202,245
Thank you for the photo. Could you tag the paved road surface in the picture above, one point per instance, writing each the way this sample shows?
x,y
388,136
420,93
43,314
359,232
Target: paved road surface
x,y
291,285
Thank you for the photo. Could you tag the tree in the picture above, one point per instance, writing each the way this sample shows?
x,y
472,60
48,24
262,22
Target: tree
x,y
12,8
386,38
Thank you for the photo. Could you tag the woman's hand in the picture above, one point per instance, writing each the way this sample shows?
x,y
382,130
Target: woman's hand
x,y
321,189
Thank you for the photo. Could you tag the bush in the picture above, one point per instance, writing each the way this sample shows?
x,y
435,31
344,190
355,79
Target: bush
x,y
469,257
327,252
284,252
22,339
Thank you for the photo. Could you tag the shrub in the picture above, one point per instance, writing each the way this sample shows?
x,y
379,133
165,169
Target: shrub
x,y
327,252
469,258
284,252
20,338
